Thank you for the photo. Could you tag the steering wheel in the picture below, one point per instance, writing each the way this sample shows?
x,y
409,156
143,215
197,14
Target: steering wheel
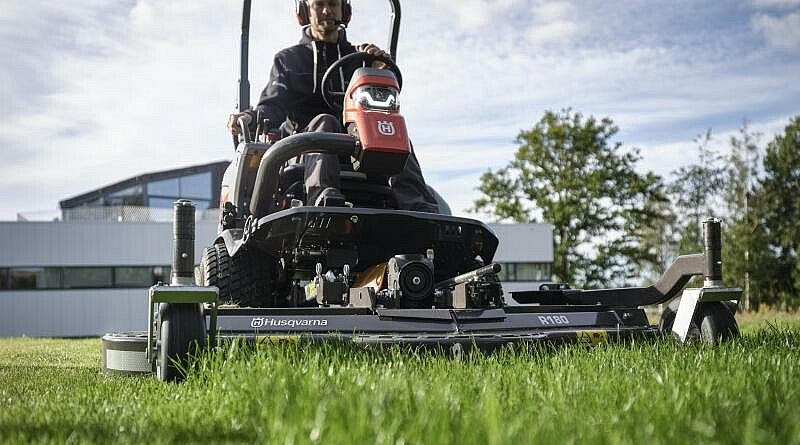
x,y
335,99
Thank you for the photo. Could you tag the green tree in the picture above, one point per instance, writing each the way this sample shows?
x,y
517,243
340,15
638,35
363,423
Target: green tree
x,y
695,191
569,172
662,239
777,204
743,249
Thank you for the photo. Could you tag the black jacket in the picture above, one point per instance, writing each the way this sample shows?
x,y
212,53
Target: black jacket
x,y
294,91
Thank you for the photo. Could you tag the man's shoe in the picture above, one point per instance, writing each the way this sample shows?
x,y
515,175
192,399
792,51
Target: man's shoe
x,y
330,197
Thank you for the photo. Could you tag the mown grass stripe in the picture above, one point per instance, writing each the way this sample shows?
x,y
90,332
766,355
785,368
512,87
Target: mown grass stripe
x,y
642,392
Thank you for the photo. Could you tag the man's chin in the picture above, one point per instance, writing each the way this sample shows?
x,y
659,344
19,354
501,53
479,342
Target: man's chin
x,y
327,31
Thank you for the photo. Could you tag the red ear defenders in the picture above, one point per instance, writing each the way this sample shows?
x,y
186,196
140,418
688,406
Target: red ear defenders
x,y
302,12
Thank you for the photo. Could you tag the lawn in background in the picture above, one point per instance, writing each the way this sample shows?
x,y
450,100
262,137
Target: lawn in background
x,y
747,391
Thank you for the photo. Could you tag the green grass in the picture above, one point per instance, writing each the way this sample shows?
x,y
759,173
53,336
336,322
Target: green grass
x,y
747,391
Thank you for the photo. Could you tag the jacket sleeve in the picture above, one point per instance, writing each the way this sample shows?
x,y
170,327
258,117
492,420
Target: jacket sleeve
x,y
276,96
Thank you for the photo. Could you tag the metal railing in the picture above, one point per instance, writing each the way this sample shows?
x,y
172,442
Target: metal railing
x,y
114,214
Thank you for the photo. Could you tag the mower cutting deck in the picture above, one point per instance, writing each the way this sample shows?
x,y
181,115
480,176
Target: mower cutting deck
x,y
440,327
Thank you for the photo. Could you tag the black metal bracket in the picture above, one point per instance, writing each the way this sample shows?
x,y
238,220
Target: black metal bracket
x,y
668,286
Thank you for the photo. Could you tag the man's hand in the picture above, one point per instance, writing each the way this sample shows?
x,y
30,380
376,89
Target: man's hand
x,y
372,49
233,122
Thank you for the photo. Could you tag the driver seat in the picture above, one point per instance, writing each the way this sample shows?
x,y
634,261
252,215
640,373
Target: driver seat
x,y
358,188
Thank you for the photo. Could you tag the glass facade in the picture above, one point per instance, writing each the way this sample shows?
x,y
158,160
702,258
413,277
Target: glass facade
x,y
525,272
88,277
34,278
161,274
133,276
146,276
16,278
158,190
165,203
131,196
198,188
166,187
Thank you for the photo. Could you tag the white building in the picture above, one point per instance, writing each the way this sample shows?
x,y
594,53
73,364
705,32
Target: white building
x,y
88,273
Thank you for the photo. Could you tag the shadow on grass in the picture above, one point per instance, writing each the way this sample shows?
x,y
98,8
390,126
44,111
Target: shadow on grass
x,y
112,430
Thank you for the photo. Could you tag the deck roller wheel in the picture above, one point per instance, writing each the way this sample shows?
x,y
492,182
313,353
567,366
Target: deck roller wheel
x,y
124,353
713,322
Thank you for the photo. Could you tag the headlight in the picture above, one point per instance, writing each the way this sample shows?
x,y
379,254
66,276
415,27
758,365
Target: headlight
x,y
377,97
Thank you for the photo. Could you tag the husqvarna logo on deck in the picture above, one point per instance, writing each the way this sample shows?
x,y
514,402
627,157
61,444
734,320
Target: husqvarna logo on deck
x,y
260,322
386,128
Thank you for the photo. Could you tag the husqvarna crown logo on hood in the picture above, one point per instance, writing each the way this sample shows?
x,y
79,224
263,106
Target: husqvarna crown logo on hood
x,y
386,128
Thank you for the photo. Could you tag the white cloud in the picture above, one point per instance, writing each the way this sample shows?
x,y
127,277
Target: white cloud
x,y
551,11
780,32
777,3
555,32
553,22
100,91
473,13
663,158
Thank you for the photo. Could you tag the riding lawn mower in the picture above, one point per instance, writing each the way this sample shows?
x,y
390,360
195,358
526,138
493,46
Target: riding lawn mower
x,y
358,269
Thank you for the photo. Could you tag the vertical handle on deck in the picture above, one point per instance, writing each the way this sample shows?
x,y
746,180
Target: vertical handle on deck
x,y
183,237
712,249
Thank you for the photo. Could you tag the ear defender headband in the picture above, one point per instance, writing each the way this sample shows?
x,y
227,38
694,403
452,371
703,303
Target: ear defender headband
x,y
302,12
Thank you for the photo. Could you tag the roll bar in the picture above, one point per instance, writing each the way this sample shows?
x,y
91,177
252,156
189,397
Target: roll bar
x,y
244,82
394,32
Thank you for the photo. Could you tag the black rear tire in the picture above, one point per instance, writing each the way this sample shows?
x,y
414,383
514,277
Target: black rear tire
x,y
182,334
713,322
244,279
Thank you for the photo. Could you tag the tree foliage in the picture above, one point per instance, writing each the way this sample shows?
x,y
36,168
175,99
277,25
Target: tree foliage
x,y
743,249
776,203
612,224
760,216
695,192
568,171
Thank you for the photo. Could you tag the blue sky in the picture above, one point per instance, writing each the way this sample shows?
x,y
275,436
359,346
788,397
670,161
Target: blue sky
x,y
92,91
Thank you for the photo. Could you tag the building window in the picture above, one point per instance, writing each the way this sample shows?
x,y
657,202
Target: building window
x,y
131,196
164,193
82,277
162,203
35,278
196,186
133,276
161,274
525,272
88,277
533,272
166,187
504,274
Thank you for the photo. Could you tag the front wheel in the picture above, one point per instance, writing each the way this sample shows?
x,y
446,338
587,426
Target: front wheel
x,y
713,322
244,279
182,333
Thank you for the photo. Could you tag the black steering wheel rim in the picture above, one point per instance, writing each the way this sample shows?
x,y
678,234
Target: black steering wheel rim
x,y
366,60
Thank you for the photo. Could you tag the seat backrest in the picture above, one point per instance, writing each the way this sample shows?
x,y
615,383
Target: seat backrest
x,y
357,187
